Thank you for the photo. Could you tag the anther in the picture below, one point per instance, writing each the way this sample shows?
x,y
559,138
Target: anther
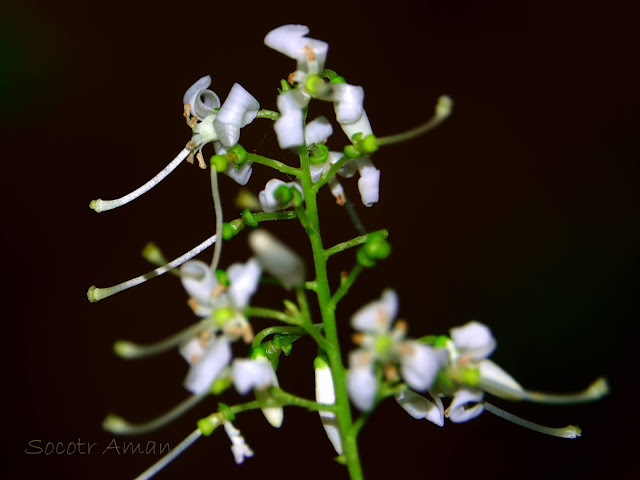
x,y
201,163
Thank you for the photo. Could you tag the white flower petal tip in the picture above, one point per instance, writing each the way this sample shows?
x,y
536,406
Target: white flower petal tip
x,y
496,381
473,339
239,447
377,316
240,108
251,374
203,102
291,41
361,380
420,365
317,131
204,371
348,100
419,407
240,175
458,413
288,126
199,282
277,259
325,393
243,282
369,182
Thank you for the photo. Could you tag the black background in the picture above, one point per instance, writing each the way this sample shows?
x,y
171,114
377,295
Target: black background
x,y
520,212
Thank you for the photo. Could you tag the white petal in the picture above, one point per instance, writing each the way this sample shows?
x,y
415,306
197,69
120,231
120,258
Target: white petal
x,y
325,393
336,188
192,350
474,339
289,39
243,282
240,175
369,182
362,125
317,131
227,134
317,171
239,447
288,126
377,316
457,411
202,374
419,407
266,198
420,367
361,380
496,381
347,102
199,281
274,415
249,374
240,108
277,259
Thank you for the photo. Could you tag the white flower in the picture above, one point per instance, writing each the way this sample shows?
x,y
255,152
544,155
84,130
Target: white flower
x,y
239,447
419,363
317,131
277,259
309,53
268,200
239,175
257,374
458,411
202,101
473,340
207,361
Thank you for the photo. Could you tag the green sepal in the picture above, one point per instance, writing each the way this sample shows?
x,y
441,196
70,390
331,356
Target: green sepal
x,y
342,460
470,376
351,152
226,412
219,162
296,197
441,341
338,79
257,352
364,259
249,218
332,76
427,339
282,195
223,278
232,228
273,353
238,155
291,308
369,144
219,385
320,362
206,426
284,86
284,342
320,153
287,349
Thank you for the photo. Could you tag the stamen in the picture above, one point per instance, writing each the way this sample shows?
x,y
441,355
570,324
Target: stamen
x,y
201,163
308,51
130,350
94,294
168,458
100,205
290,78
120,426
570,431
193,121
442,111
187,110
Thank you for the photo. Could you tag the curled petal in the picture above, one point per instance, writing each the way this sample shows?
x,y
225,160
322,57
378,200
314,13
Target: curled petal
x,y
199,281
288,126
473,339
290,40
457,412
201,375
420,366
347,102
243,282
240,107
419,407
202,101
377,316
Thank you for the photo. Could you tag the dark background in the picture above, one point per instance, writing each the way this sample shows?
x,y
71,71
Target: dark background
x,y
520,212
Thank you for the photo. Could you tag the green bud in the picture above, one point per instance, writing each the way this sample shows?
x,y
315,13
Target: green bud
x,y
282,194
441,341
249,218
314,85
222,277
351,152
364,259
377,246
296,197
291,307
320,362
338,79
238,154
369,144
223,315
320,154
220,385
207,426
470,376
219,162
232,228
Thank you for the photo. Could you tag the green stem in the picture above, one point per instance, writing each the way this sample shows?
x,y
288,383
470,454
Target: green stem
x,y
270,313
275,164
263,217
269,114
354,242
330,173
262,334
306,320
342,407
345,286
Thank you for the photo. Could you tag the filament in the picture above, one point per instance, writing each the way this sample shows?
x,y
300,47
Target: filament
x,y
169,457
570,431
94,294
100,205
119,426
